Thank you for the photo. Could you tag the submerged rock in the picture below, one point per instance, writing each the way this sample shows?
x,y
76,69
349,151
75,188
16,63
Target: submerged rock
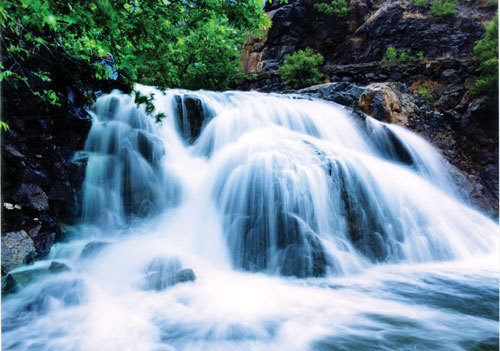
x,y
67,293
164,272
93,248
58,267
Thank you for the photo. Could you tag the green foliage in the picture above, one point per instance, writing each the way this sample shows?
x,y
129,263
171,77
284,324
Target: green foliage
x,y
147,101
486,52
444,8
421,3
425,93
337,8
391,55
4,126
167,43
301,68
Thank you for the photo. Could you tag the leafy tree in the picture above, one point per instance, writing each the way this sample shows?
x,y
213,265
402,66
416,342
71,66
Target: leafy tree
x,y
444,8
301,68
486,52
168,43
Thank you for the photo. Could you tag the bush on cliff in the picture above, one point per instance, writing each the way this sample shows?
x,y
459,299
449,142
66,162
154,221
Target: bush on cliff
x,y
444,8
337,8
391,55
486,52
301,69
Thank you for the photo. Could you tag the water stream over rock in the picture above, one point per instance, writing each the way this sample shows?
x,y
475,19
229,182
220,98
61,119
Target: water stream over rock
x,y
248,221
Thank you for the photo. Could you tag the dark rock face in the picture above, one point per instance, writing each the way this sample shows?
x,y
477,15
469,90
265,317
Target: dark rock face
x,y
391,25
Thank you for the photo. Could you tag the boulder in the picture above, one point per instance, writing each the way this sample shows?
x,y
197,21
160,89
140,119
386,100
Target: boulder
x,y
386,102
33,196
17,249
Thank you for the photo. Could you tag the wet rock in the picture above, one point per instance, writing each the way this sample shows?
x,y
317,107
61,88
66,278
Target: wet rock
x,y
9,285
190,116
93,248
185,275
58,267
17,249
345,94
33,196
194,114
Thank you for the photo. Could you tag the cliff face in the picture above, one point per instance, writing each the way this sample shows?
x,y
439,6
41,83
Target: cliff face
x,y
41,171
373,26
463,127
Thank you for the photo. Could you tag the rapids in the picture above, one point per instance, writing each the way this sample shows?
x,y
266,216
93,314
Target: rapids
x,y
307,227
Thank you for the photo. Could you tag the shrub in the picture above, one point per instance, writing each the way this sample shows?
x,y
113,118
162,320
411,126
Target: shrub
x,y
444,8
301,68
421,3
486,52
425,94
338,8
391,55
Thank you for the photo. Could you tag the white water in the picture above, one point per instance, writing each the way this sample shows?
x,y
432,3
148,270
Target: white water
x,y
307,229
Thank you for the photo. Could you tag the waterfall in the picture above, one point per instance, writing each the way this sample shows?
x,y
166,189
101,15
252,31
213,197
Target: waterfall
x,y
250,221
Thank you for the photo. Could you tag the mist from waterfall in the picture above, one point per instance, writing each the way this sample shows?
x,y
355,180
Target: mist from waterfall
x,y
250,221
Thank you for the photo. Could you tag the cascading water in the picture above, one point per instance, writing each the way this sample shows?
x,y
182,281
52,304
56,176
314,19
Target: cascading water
x,y
249,221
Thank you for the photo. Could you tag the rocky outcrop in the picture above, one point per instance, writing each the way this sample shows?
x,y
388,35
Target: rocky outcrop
x,y
373,26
